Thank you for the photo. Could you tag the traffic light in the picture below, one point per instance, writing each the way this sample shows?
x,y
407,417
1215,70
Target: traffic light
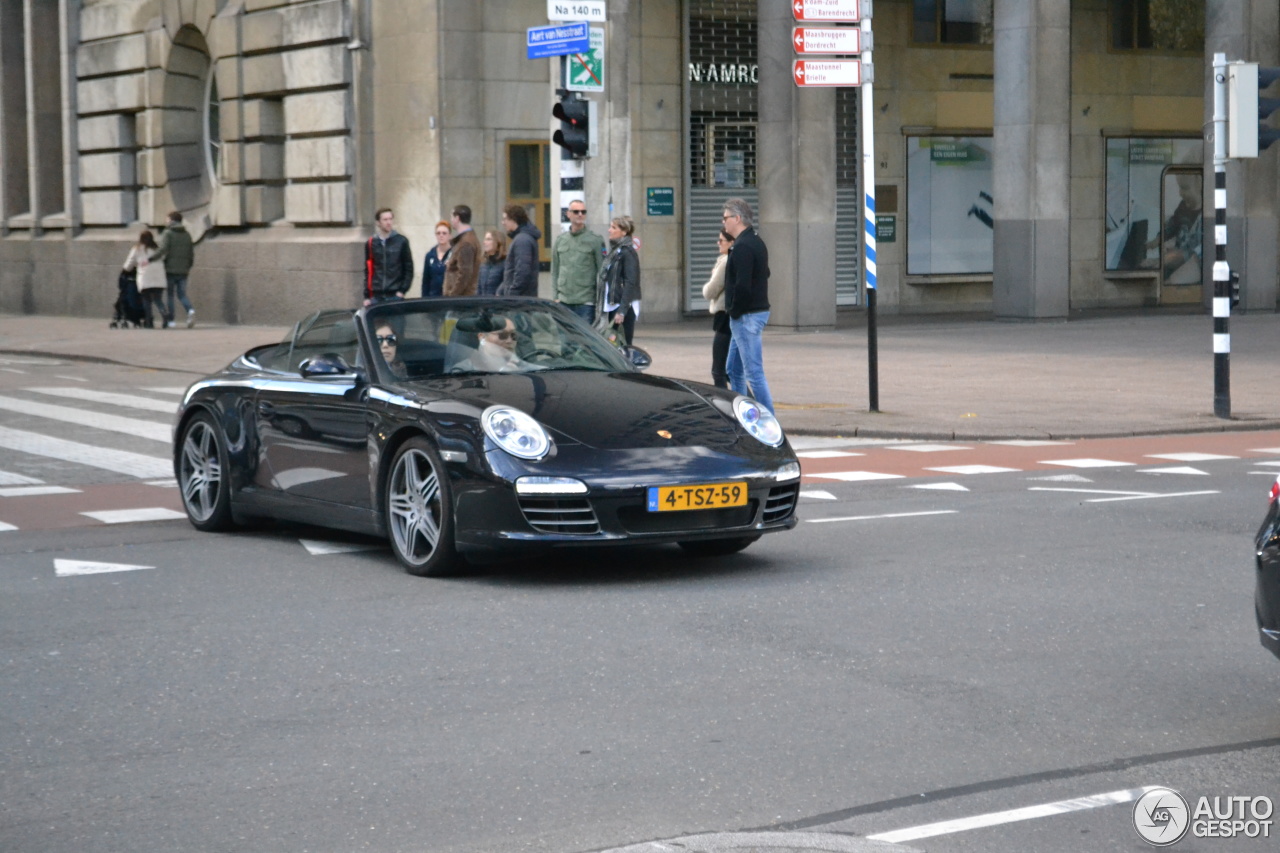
x,y
1248,111
576,128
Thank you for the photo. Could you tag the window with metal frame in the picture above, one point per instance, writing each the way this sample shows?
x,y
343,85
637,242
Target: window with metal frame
x,y
952,22
529,185
1162,25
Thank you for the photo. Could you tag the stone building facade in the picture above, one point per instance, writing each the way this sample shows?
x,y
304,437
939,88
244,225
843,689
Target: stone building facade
x,y
1032,156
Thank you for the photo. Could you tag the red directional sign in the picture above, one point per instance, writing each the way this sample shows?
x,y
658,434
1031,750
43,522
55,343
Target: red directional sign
x,y
845,11
827,72
826,40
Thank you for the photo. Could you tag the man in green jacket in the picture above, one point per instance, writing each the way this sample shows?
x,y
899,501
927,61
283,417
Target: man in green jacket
x,y
178,253
575,264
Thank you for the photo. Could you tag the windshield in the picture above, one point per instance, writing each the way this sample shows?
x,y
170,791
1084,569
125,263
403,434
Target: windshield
x,y
423,338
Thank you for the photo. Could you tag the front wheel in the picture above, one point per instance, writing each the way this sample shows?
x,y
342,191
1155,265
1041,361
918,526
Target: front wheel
x,y
717,547
420,511
204,475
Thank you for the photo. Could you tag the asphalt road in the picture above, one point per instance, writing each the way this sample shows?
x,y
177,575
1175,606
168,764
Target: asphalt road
x,y
926,646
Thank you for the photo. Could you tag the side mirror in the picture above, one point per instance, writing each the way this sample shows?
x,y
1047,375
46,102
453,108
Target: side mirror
x,y
325,366
639,359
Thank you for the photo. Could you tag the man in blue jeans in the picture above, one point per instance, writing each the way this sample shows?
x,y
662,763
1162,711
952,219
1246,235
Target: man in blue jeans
x,y
746,299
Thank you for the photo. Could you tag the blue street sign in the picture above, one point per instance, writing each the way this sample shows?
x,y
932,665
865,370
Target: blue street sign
x,y
558,40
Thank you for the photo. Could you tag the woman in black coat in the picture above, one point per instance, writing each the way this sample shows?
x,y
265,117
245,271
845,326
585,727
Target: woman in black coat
x,y
620,277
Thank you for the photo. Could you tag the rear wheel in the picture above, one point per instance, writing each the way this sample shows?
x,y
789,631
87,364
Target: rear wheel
x,y
420,511
717,547
203,474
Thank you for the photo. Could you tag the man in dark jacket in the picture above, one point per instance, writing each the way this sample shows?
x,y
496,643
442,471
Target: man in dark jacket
x,y
178,254
746,299
520,275
462,272
388,261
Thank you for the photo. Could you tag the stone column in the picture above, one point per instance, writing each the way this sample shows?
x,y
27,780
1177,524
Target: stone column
x,y
796,177
1248,31
1032,158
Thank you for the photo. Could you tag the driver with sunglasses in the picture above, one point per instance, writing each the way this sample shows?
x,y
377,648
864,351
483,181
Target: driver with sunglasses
x,y
387,344
497,352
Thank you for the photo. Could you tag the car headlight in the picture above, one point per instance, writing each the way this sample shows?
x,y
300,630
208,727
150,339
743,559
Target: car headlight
x,y
758,421
515,432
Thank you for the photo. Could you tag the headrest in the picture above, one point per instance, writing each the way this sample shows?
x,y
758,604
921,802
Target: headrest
x,y
482,322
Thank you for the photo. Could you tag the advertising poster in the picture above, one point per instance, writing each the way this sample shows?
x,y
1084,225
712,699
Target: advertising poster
x,y
1134,217
950,220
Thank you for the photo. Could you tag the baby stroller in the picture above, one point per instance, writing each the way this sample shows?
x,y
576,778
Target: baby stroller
x,y
128,307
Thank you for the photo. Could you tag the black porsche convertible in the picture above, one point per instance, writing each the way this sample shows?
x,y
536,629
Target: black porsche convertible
x,y
478,428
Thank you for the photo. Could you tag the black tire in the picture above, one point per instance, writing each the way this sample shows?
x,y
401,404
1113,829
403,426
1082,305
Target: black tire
x,y
204,474
717,547
419,507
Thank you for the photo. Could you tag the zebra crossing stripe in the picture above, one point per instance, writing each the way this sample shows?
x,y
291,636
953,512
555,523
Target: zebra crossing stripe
x,y
84,417
129,401
120,461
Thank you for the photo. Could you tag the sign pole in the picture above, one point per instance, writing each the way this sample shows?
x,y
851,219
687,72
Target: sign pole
x,y
1221,270
869,208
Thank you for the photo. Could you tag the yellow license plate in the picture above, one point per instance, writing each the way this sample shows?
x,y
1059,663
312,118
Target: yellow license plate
x,y
711,496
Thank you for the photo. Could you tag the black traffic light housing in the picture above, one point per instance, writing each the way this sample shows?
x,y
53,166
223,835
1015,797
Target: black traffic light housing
x,y
1248,109
574,135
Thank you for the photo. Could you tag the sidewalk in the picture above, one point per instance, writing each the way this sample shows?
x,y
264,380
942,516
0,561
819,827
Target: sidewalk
x,y
938,379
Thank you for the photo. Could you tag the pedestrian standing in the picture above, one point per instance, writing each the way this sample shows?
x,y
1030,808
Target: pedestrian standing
x,y
576,259
620,277
433,267
462,272
520,274
494,248
152,281
713,291
388,261
746,299
177,254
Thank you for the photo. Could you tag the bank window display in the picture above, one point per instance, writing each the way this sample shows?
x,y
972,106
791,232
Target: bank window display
x,y
1155,207
952,22
950,213
1166,25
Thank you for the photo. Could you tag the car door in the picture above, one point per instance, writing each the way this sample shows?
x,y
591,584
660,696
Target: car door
x,y
313,431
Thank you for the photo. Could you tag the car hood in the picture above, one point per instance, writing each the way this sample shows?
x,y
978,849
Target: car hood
x,y
606,411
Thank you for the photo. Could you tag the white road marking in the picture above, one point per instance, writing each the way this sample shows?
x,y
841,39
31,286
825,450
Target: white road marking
x,y
1268,464
4,527
973,469
1123,496
10,479
1086,463
1029,442
129,516
817,494
170,483
945,487
827,454
929,448
121,461
1270,451
887,515
317,548
1189,457
84,417
32,491
946,827
68,568
70,378
172,389
1064,478
12,370
856,476
1175,470
126,400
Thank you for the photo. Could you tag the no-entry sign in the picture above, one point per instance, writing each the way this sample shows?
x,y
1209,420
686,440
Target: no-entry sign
x,y
826,40
827,72
845,11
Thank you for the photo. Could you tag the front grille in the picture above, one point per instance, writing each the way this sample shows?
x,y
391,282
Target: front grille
x,y
637,519
780,503
559,515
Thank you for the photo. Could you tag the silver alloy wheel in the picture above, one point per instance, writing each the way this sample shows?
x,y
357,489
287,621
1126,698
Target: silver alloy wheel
x,y
200,471
414,507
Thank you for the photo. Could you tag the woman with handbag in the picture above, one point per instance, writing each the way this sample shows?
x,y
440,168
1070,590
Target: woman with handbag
x,y
620,281
152,281
713,291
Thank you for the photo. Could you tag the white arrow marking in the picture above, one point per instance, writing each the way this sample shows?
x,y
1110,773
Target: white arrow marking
x,y
67,568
